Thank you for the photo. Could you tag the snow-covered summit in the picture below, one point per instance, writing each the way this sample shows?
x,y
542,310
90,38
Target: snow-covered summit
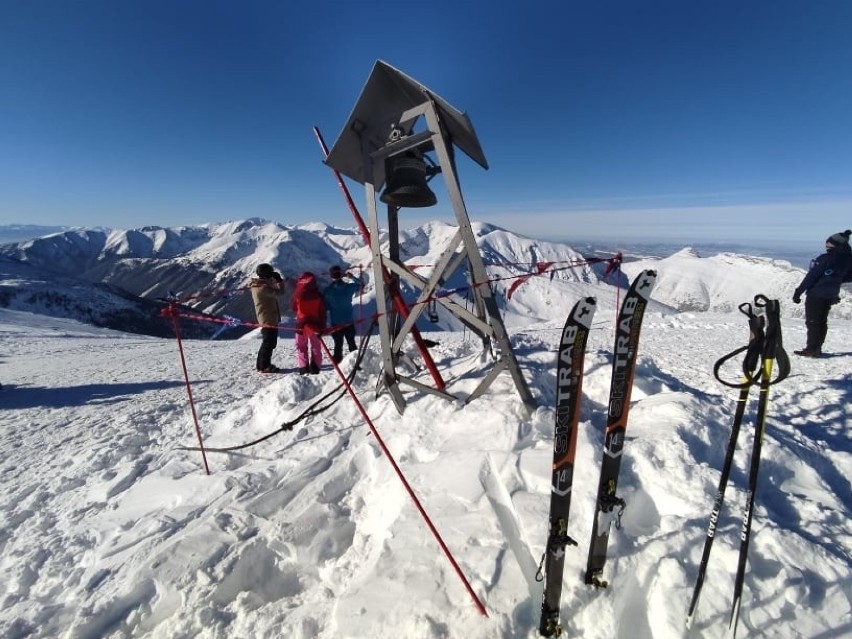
x,y
688,282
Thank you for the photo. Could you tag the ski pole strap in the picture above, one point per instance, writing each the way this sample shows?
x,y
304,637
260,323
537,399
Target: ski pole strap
x,y
723,360
783,361
773,347
751,362
765,343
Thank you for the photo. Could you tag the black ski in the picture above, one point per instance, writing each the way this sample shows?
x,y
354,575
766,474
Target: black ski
x,y
623,369
569,383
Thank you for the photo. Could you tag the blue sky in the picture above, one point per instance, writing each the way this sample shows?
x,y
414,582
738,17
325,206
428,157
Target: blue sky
x,y
614,119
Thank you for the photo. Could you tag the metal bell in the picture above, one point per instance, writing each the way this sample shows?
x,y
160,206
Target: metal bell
x,y
406,184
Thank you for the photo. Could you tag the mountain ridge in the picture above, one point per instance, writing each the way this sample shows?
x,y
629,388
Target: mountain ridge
x,y
211,262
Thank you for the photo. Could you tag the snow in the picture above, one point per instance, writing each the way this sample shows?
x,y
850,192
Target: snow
x,y
111,528
688,281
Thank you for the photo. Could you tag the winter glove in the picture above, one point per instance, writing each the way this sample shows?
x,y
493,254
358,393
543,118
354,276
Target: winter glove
x,y
797,298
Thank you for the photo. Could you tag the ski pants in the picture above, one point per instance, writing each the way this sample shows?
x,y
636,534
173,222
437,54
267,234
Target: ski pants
x,y
269,340
816,321
346,332
308,348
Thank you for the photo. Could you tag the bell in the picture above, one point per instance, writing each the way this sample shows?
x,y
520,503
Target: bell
x,y
406,184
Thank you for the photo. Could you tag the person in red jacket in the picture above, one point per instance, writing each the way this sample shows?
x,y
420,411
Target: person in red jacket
x,y
309,307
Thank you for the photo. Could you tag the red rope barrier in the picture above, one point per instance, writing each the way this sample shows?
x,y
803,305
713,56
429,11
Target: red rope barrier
x,y
614,267
544,268
408,488
173,312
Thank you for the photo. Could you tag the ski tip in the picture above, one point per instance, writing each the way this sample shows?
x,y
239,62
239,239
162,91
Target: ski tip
x,y
583,312
644,283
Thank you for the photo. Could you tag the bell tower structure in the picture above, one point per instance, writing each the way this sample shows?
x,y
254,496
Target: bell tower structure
x,y
399,136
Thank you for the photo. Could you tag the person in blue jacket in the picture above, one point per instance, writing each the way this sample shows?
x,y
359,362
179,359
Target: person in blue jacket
x,y
338,301
822,286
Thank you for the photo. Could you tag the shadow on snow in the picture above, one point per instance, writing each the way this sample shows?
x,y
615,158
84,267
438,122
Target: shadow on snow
x,y
101,394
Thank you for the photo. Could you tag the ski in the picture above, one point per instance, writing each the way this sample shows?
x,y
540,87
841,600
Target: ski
x,y
628,327
569,383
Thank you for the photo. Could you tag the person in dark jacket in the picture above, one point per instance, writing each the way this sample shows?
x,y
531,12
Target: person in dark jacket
x,y
338,301
266,288
822,287
309,307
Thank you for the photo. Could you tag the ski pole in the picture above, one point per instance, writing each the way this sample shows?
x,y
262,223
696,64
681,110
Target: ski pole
x,y
749,364
772,351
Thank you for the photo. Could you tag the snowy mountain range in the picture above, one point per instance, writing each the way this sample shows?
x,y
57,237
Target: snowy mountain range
x,y
114,278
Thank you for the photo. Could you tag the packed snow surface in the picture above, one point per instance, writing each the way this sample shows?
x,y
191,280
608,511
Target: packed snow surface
x,y
110,527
